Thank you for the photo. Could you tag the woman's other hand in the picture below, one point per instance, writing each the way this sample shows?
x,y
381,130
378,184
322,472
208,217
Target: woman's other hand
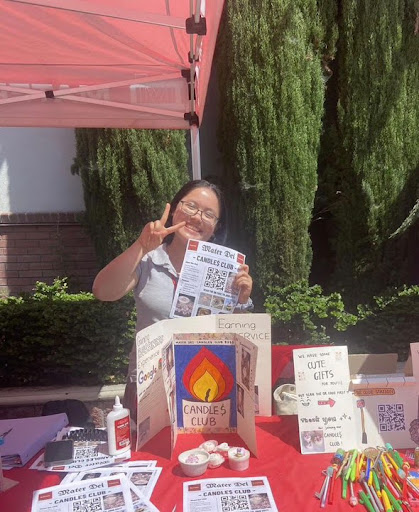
x,y
154,233
244,283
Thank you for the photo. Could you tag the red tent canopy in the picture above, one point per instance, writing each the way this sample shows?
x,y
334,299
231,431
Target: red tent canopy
x,y
106,63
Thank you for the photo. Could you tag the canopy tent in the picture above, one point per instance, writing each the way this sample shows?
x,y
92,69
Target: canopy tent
x,y
107,63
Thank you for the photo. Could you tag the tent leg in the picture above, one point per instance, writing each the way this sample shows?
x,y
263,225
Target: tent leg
x,y
195,153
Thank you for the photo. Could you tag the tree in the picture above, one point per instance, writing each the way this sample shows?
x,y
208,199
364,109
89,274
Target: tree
x,y
128,176
371,177
269,64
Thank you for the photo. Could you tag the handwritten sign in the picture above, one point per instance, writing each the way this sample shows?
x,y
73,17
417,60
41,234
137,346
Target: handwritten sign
x,y
325,409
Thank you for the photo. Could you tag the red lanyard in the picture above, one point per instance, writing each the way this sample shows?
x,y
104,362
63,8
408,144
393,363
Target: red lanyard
x,y
174,281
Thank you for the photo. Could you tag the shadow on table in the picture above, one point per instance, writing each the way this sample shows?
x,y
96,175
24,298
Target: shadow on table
x,y
159,445
286,430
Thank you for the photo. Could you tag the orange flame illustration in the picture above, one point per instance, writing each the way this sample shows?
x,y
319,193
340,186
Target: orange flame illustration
x,y
207,377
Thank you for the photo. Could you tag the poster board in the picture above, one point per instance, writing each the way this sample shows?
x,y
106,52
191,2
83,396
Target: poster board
x,y
255,327
160,384
209,383
382,407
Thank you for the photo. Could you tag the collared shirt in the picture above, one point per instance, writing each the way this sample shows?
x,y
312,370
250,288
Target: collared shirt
x,y
155,288
153,294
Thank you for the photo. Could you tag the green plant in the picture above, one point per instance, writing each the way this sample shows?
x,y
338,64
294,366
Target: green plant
x,y
128,176
271,81
302,314
388,324
369,159
53,337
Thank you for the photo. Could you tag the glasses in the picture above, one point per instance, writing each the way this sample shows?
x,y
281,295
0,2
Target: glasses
x,y
191,209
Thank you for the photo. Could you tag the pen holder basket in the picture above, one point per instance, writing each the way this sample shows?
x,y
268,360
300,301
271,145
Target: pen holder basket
x,y
285,400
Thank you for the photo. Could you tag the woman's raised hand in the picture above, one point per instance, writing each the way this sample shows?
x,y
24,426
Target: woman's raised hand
x,y
154,233
244,283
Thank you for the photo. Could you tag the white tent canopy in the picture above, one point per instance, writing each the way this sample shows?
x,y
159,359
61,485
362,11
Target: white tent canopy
x,y
107,63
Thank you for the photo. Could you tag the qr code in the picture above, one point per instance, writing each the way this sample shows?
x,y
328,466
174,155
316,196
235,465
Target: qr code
x,y
391,418
88,505
232,503
85,452
215,279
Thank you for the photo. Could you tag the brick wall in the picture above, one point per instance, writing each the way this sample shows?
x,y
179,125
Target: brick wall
x,y
42,246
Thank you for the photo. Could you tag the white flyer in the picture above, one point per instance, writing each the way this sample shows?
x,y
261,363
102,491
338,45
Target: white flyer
x,y
87,455
126,466
206,279
110,494
244,494
144,479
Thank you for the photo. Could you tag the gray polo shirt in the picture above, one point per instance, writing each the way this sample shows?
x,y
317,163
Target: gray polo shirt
x,y
153,293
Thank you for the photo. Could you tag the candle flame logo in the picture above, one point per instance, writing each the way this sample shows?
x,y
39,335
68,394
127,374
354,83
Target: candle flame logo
x,y
207,377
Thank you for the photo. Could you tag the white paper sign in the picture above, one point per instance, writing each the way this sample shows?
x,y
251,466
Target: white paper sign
x,y
325,409
206,279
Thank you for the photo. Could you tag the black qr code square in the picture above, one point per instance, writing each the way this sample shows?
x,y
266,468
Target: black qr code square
x,y
85,453
391,418
232,503
215,279
88,505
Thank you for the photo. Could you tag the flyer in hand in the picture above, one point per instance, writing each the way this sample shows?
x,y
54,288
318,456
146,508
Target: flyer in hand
x,y
206,280
244,494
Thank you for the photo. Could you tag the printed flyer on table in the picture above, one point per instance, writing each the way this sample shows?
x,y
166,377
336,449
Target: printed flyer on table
x,y
112,494
244,494
206,279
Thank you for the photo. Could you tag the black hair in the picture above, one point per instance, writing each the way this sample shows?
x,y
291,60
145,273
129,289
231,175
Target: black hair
x,y
220,233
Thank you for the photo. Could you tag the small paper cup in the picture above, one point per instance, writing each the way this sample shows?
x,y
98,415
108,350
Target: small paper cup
x,y
194,462
238,458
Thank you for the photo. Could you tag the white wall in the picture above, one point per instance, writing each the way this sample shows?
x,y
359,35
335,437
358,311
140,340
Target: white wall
x,y
35,172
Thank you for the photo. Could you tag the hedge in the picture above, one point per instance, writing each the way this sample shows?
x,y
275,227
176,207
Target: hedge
x,y
303,314
52,337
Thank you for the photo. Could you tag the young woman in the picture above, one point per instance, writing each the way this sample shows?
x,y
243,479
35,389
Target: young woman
x,y
152,264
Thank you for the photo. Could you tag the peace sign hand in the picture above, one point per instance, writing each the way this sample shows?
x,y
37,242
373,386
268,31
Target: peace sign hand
x,y
154,233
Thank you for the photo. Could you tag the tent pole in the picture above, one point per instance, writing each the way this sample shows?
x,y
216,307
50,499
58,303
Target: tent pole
x,y
195,153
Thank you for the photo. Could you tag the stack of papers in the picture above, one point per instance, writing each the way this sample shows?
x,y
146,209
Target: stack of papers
x,y
24,437
110,493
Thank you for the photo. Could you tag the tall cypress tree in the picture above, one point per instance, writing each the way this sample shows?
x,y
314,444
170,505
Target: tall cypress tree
x,y
269,63
375,169
127,176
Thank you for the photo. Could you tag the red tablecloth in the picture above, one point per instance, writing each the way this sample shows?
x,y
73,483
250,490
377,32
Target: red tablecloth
x,y
294,478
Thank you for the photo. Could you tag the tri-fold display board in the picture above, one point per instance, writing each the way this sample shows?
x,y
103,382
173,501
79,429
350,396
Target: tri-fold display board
x,y
208,374
338,408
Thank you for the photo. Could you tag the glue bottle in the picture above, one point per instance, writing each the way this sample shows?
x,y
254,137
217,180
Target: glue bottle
x,y
118,427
